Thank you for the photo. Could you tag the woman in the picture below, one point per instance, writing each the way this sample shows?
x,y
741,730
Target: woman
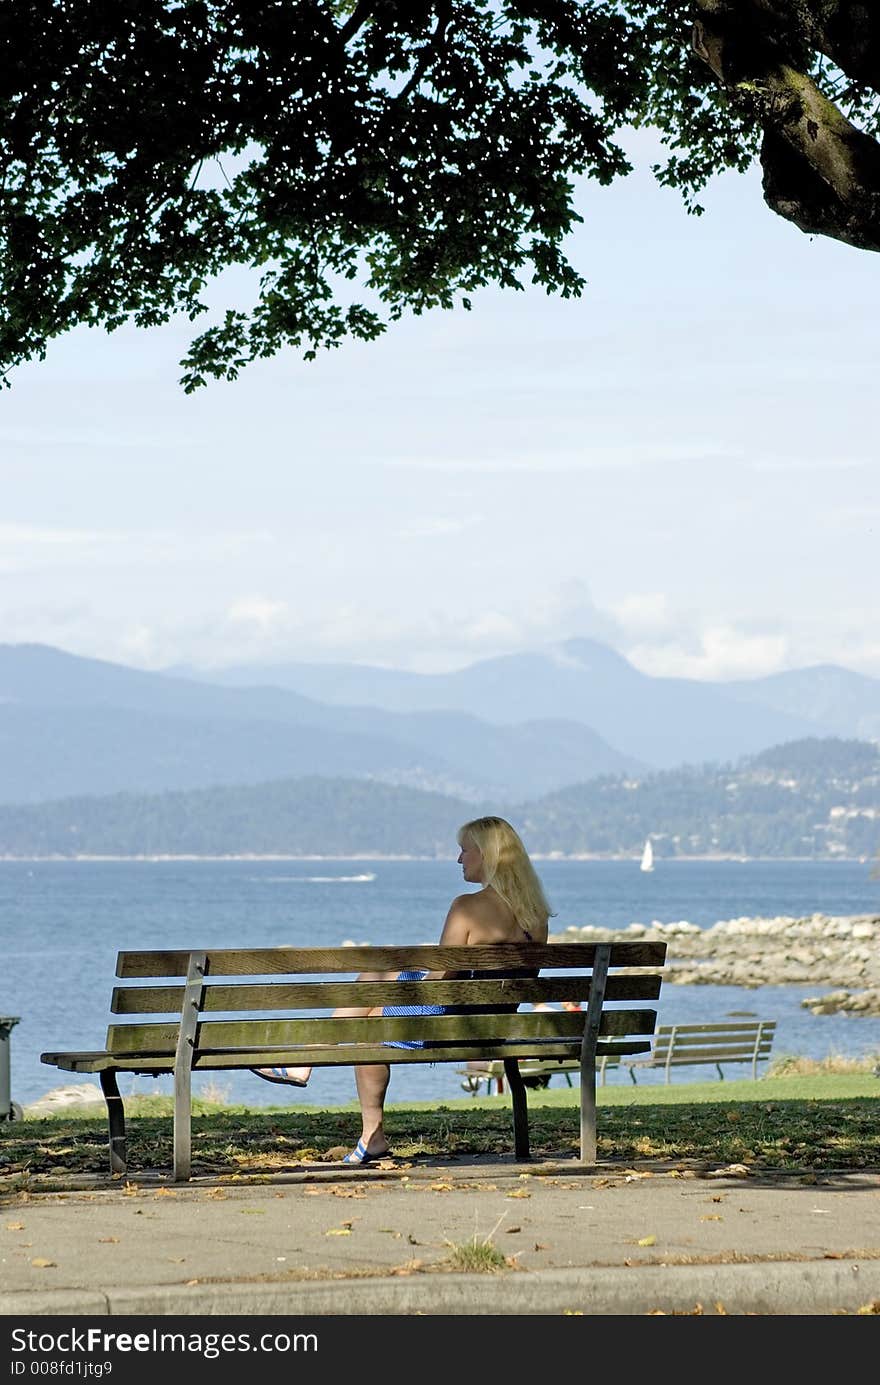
x,y
510,907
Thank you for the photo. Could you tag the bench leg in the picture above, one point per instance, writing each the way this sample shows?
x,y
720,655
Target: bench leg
x,y
588,1112
115,1120
182,1124
520,1105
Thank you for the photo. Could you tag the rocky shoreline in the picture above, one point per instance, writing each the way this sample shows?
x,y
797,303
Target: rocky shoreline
x,y
819,950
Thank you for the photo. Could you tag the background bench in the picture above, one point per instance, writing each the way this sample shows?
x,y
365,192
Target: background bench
x,y
685,1045
285,1018
675,1045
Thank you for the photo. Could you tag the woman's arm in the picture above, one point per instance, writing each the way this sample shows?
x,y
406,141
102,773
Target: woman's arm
x,y
456,933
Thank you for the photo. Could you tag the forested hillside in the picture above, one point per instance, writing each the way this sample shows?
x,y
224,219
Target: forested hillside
x,y
810,798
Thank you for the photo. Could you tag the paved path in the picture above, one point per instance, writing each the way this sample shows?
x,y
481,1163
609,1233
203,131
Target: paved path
x,y
378,1241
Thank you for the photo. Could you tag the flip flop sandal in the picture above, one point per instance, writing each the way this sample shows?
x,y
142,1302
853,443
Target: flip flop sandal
x,y
361,1155
278,1075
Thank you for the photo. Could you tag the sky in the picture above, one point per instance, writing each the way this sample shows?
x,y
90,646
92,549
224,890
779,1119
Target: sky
x,y
682,463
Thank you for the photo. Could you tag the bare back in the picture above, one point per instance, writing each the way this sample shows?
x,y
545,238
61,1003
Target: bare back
x,y
483,918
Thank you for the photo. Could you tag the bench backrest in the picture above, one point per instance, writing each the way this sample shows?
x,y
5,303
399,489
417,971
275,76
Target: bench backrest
x,y
230,1006
739,1041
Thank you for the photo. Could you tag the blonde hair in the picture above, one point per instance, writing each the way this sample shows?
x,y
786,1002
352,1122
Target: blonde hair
x,y
507,868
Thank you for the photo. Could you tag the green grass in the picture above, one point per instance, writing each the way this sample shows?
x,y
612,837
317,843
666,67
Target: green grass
x,y
802,1121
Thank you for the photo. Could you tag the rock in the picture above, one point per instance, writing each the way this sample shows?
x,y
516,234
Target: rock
x,y
85,1094
840,952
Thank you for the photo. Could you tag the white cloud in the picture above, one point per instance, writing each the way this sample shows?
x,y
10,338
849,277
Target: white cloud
x,y
644,615
259,611
722,653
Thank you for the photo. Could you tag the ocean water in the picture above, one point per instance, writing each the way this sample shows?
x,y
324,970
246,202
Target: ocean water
x,y
63,922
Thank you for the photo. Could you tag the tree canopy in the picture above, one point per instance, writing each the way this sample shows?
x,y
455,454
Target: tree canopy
x,y
374,157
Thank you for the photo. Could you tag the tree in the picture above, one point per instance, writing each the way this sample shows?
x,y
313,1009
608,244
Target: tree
x,y
418,149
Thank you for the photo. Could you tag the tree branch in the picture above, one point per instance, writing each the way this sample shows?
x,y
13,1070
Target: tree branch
x,y
820,171
362,11
431,49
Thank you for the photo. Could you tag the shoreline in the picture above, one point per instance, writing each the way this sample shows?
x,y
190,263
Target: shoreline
x,y
552,856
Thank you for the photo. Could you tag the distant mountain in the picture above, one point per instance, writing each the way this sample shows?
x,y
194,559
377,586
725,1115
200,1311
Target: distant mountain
x,y
70,725
840,701
660,721
815,799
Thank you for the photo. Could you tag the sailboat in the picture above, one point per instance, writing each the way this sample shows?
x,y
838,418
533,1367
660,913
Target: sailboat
x,y
647,856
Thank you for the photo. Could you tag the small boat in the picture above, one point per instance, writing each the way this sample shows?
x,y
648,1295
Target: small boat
x,y
647,856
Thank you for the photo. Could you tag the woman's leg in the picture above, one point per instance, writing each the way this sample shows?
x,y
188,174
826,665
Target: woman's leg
x,y
299,1077
372,1081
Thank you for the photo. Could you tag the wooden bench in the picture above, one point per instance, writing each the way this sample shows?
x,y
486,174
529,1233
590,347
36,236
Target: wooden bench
x,y
675,1045
170,1025
687,1045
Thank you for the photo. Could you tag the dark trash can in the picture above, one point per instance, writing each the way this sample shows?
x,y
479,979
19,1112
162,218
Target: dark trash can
x,y
9,1109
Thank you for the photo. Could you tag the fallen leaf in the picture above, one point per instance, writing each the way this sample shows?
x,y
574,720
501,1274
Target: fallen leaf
x,y
519,1192
176,1259
165,1192
108,1240
41,1264
647,1241
712,1216
512,1230
412,1240
338,1231
216,1193
441,1187
539,1246
15,1226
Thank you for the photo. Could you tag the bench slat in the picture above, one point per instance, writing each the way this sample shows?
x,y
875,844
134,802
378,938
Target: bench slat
x,y
288,1033
277,995
97,1061
273,961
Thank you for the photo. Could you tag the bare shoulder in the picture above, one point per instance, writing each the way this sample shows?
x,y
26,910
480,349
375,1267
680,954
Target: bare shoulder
x,y
468,903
